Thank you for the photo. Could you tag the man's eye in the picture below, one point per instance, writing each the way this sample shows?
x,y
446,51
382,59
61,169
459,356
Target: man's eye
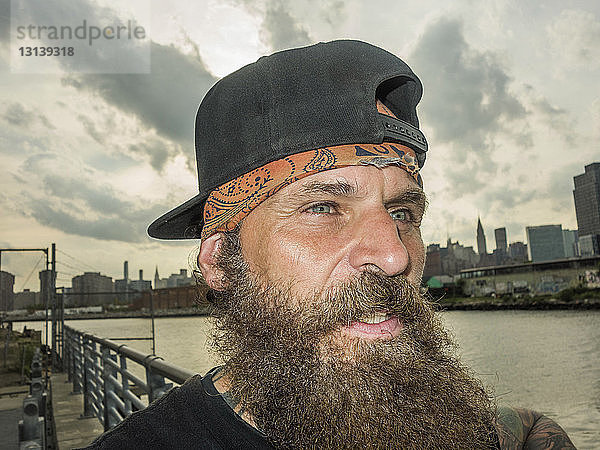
x,y
400,214
321,208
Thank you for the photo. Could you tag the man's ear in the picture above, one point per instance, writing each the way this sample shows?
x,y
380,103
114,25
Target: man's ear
x,y
207,262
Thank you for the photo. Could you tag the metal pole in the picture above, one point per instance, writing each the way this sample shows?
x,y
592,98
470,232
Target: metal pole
x,y
1,295
152,316
54,310
62,325
46,295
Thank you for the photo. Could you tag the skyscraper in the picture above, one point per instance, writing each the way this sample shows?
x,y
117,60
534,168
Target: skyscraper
x,y
570,242
545,242
587,200
7,282
481,247
500,234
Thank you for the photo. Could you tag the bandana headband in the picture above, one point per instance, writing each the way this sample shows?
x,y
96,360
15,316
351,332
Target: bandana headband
x,y
228,204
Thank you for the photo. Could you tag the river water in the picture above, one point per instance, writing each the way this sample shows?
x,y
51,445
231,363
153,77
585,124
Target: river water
x,y
545,360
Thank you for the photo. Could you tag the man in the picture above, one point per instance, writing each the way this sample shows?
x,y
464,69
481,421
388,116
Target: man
x,y
309,216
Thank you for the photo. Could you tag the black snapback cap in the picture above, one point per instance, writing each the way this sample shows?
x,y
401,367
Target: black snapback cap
x,y
294,101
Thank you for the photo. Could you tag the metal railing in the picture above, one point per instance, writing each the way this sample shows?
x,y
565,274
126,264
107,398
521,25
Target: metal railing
x,y
98,368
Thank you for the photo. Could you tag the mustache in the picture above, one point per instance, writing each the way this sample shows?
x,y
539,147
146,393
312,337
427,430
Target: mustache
x,y
370,293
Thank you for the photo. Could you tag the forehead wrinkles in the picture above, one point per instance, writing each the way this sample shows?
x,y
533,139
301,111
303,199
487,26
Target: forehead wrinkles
x,y
351,182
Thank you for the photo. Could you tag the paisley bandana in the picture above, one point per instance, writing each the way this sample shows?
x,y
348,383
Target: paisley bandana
x,y
228,204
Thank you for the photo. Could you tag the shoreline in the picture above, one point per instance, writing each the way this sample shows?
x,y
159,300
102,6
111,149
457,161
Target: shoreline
x,y
531,304
183,312
451,304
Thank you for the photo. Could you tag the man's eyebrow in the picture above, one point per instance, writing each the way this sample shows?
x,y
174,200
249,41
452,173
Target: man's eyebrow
x,y
338,188
414,196
342,188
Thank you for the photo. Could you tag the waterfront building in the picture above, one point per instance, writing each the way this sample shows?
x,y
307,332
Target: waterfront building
x,y
545,277
545,242
122,285
180,279
570,242
174,280
7,285
92,289
517,251
173,298
140,285
589,245
433,261
587,200
449,260
26,299
126,289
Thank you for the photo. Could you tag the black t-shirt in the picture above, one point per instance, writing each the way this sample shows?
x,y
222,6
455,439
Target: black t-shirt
x,y
191,416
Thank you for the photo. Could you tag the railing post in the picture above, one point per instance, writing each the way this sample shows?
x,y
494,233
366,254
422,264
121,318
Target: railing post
x,y
96,381
77,362
66,354
87,395
156,383
109,403
93,369
125,384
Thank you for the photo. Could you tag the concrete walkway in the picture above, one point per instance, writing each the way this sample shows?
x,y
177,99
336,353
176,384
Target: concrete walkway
x,y
72,431
11,411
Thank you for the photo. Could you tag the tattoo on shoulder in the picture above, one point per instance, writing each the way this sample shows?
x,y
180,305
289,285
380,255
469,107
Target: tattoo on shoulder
x,y
523,428
547,434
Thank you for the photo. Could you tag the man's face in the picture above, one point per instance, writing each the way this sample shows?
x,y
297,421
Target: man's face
x,y
322,328
328,228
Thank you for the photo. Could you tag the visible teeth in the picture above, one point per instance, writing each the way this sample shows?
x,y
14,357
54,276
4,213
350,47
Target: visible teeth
x,y
375,318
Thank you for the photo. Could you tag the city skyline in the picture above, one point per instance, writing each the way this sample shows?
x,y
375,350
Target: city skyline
x,y
138,272
511,110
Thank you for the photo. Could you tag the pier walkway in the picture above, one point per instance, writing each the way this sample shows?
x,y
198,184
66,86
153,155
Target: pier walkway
x,y
11,411
72,431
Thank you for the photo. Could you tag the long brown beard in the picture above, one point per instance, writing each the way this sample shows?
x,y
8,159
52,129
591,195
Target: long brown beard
x,y
306,387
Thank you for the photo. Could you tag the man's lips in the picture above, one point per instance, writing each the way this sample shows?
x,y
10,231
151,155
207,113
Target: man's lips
x,y
378,326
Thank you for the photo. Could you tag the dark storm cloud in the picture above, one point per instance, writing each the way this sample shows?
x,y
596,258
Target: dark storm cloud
x,y
20,116
157,150
281,30
165,100
63,219
78,206
467,96
100,199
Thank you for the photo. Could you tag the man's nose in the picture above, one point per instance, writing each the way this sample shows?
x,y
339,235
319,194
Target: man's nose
x,y
378,243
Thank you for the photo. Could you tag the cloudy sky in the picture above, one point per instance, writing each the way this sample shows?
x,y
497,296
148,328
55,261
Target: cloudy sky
x,y
511,109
